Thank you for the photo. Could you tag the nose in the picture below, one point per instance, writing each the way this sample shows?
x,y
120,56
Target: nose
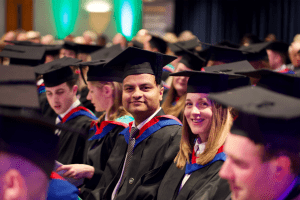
x,y
137,93
89,96
226,171
195,111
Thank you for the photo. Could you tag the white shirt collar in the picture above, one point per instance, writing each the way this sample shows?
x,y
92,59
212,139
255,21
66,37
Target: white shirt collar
x,y
282,67
40,82
199,147
147,120
74,105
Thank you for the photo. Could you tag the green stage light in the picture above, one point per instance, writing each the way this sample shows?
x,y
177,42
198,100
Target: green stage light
x,y
65,14
128,17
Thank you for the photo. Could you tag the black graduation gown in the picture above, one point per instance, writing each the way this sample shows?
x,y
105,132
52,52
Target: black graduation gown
x,y
151,159
72,144
98,152
203,183
46,109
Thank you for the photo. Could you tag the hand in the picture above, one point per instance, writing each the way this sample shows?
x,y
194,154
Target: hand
x,y
77,171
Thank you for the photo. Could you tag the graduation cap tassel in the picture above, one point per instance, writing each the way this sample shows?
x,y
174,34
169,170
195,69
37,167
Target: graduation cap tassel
x,y
81,73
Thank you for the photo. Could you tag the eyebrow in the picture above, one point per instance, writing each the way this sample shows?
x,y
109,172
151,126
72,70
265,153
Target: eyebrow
x,y
143,84
197,99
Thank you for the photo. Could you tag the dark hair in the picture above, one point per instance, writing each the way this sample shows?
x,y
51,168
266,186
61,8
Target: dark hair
x,y
71,83
273,151
158,43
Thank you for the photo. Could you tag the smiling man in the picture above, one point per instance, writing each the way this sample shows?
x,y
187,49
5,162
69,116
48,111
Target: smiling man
x,y
61,89
146,149
263,149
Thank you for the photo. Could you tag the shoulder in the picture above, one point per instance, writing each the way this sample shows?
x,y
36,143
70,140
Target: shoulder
x,y
62,189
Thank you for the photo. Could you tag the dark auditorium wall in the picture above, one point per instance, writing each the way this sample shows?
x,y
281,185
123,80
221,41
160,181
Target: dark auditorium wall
x,y
213,21
2,17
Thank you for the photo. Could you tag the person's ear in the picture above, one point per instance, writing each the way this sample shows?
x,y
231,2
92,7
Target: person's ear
x,y
74,89
107,91
161,92
281,167
14,186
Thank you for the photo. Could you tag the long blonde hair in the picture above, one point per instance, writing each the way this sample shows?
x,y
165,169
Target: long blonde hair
x,y
220,127
116,110
167,106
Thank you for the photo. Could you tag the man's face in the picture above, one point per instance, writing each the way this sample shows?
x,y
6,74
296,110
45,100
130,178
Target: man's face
x,y
141,95
67,53
248,176
61,97
295,59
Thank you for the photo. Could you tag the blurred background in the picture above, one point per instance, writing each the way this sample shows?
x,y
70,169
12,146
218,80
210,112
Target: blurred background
x,y
211,21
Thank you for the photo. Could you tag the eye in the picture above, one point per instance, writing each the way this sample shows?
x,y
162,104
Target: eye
x,y
146,88
128,89
188,104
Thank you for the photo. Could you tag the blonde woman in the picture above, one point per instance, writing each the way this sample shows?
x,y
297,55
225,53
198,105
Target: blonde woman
x,y
105,93
194,174
175,99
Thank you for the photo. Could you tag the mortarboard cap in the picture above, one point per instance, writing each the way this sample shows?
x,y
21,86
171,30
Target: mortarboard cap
x,y
189,45
137,61
53,49
266,117
29,137
222,53
50,49
107,53
190,60
24,55
207,82
85,48
287,84
256,51
58,71
71,46
97,72
281,47
230,68
159,43
18,87
137,44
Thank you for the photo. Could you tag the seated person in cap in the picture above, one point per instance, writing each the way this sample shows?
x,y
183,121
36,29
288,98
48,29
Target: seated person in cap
x,y
221,53
151,140
61,89
120,39
27,144
262,149
277,55
106,95
206,124
27,158
174,100
294,55
69,49
27,151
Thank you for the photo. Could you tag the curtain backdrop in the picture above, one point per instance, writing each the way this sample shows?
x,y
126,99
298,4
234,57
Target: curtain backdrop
x,y
214,21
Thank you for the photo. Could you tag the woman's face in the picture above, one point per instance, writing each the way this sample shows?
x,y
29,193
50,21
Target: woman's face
x,y
180,82
96,97
198,113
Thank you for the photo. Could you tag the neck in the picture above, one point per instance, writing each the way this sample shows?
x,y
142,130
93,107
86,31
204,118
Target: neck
x,y
280,188
139,118
110,104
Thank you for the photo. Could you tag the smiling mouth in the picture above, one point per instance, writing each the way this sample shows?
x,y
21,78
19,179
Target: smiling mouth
x,y
197,120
